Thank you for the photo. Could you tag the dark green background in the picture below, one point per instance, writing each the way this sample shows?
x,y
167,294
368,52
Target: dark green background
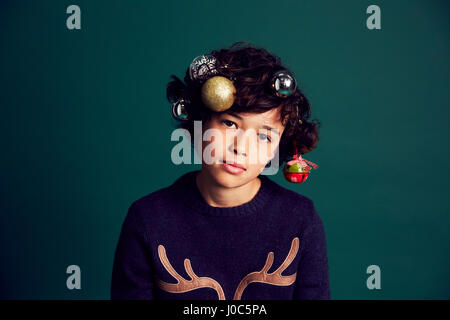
x,y
85,131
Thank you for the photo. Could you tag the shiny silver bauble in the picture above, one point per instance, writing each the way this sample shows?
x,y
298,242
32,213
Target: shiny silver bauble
x,y
179,111
203,67
283,83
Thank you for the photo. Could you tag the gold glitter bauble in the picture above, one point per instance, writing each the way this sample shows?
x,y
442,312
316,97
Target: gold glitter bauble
x,y
218,93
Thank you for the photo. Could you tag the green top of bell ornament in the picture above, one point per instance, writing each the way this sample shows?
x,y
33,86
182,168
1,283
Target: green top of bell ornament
x,y
296,168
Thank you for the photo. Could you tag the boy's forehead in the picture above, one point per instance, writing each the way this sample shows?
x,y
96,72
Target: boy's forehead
x,y
271,117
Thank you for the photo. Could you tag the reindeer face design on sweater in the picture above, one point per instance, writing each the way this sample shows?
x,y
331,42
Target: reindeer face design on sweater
x,y
196,282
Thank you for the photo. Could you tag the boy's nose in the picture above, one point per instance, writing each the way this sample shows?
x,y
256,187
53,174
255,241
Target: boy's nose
x,y
239,153
239,145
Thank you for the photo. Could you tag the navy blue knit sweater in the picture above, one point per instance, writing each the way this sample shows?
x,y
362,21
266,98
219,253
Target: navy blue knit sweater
x,y
173,245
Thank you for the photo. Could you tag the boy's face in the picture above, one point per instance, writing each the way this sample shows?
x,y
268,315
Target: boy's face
x,y
247,139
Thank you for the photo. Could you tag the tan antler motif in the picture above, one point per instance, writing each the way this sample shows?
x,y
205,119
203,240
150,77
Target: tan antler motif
x,y
274,278
184,285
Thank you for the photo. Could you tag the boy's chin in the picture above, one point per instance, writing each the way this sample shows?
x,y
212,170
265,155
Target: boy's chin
x,y
230,180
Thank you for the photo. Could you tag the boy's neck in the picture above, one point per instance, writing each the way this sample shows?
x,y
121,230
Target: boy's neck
x,y
219,196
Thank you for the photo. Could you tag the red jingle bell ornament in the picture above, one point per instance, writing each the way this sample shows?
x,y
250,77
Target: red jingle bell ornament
x,y
297,169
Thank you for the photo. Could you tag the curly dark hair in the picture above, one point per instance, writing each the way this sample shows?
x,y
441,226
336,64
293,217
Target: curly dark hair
x,y
251,68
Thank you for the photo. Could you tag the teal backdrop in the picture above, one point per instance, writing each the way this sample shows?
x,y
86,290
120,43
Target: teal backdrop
x,y
85,131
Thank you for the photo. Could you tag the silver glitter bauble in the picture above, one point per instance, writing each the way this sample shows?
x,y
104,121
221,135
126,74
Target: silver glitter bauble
x,y
203,67
179,110
283,83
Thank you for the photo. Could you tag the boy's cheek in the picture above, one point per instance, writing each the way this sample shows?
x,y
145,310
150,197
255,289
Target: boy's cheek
x,y
213,151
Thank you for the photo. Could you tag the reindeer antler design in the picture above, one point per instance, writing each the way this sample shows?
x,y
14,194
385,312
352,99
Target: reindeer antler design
x,y
274,278
184,285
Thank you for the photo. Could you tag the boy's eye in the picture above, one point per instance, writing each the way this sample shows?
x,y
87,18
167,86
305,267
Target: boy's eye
x,y
264,137
228,123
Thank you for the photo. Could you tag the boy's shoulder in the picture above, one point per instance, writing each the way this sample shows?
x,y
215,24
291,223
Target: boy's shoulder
x,y
163,199
288,194
294,201
164,196
155,198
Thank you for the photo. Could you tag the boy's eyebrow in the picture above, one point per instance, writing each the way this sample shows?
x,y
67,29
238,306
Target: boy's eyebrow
x,y
231,113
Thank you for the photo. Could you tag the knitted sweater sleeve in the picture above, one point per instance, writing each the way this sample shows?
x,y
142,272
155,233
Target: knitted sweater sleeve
x,y
312,277
131,275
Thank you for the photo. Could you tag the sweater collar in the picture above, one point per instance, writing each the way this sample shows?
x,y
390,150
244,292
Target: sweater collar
x,y
194,199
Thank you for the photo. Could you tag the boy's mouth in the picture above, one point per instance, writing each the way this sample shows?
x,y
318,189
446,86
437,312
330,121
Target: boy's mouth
x,y
234,164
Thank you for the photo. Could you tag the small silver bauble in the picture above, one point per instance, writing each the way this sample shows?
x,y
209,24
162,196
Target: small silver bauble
x,y
283,83
203,67
179,111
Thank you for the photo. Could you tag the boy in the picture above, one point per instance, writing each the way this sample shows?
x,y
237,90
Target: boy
x,y
227,231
